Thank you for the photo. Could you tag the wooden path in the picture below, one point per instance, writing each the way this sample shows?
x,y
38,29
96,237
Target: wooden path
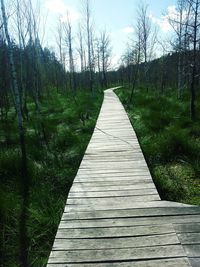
x,y
114,215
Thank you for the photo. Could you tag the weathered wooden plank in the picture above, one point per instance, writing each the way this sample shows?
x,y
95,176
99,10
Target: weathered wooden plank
x,y
119,176
95,201
117,179
115,231
114,165
136,170
123,242
176,262
113,182
76,188
122,205
133,213
113,157
81,256
139,192
128,221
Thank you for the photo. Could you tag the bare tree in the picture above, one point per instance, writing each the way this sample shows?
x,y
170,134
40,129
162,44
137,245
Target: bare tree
x,y
179,25
25,178
4,98
187,29
89,41
32,20
80,48
194,34
93,55
59,41
22,32
136,58
103,50
147,36
62,54
68,32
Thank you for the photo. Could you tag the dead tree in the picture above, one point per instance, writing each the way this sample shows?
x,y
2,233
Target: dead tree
x,y
62,54
148,38
59,41
187,28
80,48
194,33
22,32
89,40
136,58
105,56
180,28
68,32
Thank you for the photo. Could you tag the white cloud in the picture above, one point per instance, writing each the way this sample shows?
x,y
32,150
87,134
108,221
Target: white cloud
x,y
59,7
164,24
128,30
163,21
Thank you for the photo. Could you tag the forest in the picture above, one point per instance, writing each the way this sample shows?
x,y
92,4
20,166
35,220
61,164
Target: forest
x,y
50,99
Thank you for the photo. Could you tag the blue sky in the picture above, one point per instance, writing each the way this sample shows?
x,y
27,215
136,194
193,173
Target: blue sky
x,y
117,16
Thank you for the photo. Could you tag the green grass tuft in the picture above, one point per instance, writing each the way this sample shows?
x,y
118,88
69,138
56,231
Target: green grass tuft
x,y
56,141
170,142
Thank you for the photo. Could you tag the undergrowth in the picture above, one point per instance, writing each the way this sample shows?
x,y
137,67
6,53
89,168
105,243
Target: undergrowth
x,y
170,141
54,155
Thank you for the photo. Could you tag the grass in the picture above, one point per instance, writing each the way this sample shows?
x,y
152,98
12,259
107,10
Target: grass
x,y
170,142
56,142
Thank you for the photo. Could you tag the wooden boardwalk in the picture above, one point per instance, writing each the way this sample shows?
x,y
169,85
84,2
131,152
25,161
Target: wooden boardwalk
x,y
114,215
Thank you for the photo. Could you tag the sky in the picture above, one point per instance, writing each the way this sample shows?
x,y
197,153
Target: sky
x,y
116,16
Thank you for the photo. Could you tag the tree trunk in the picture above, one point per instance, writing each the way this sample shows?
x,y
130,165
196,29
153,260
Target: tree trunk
x,y
24,177
194,65
193,96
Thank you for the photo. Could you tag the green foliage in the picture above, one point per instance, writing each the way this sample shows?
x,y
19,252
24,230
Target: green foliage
x,y
56,140
170,142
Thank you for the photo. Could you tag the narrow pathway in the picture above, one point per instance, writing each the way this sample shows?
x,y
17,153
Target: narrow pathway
x,y
114,215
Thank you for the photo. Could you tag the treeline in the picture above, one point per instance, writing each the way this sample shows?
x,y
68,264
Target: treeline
x,y
178,69
38,72
163,74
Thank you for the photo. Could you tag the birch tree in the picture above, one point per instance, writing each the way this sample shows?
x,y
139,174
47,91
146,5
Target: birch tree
x,y
24,177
